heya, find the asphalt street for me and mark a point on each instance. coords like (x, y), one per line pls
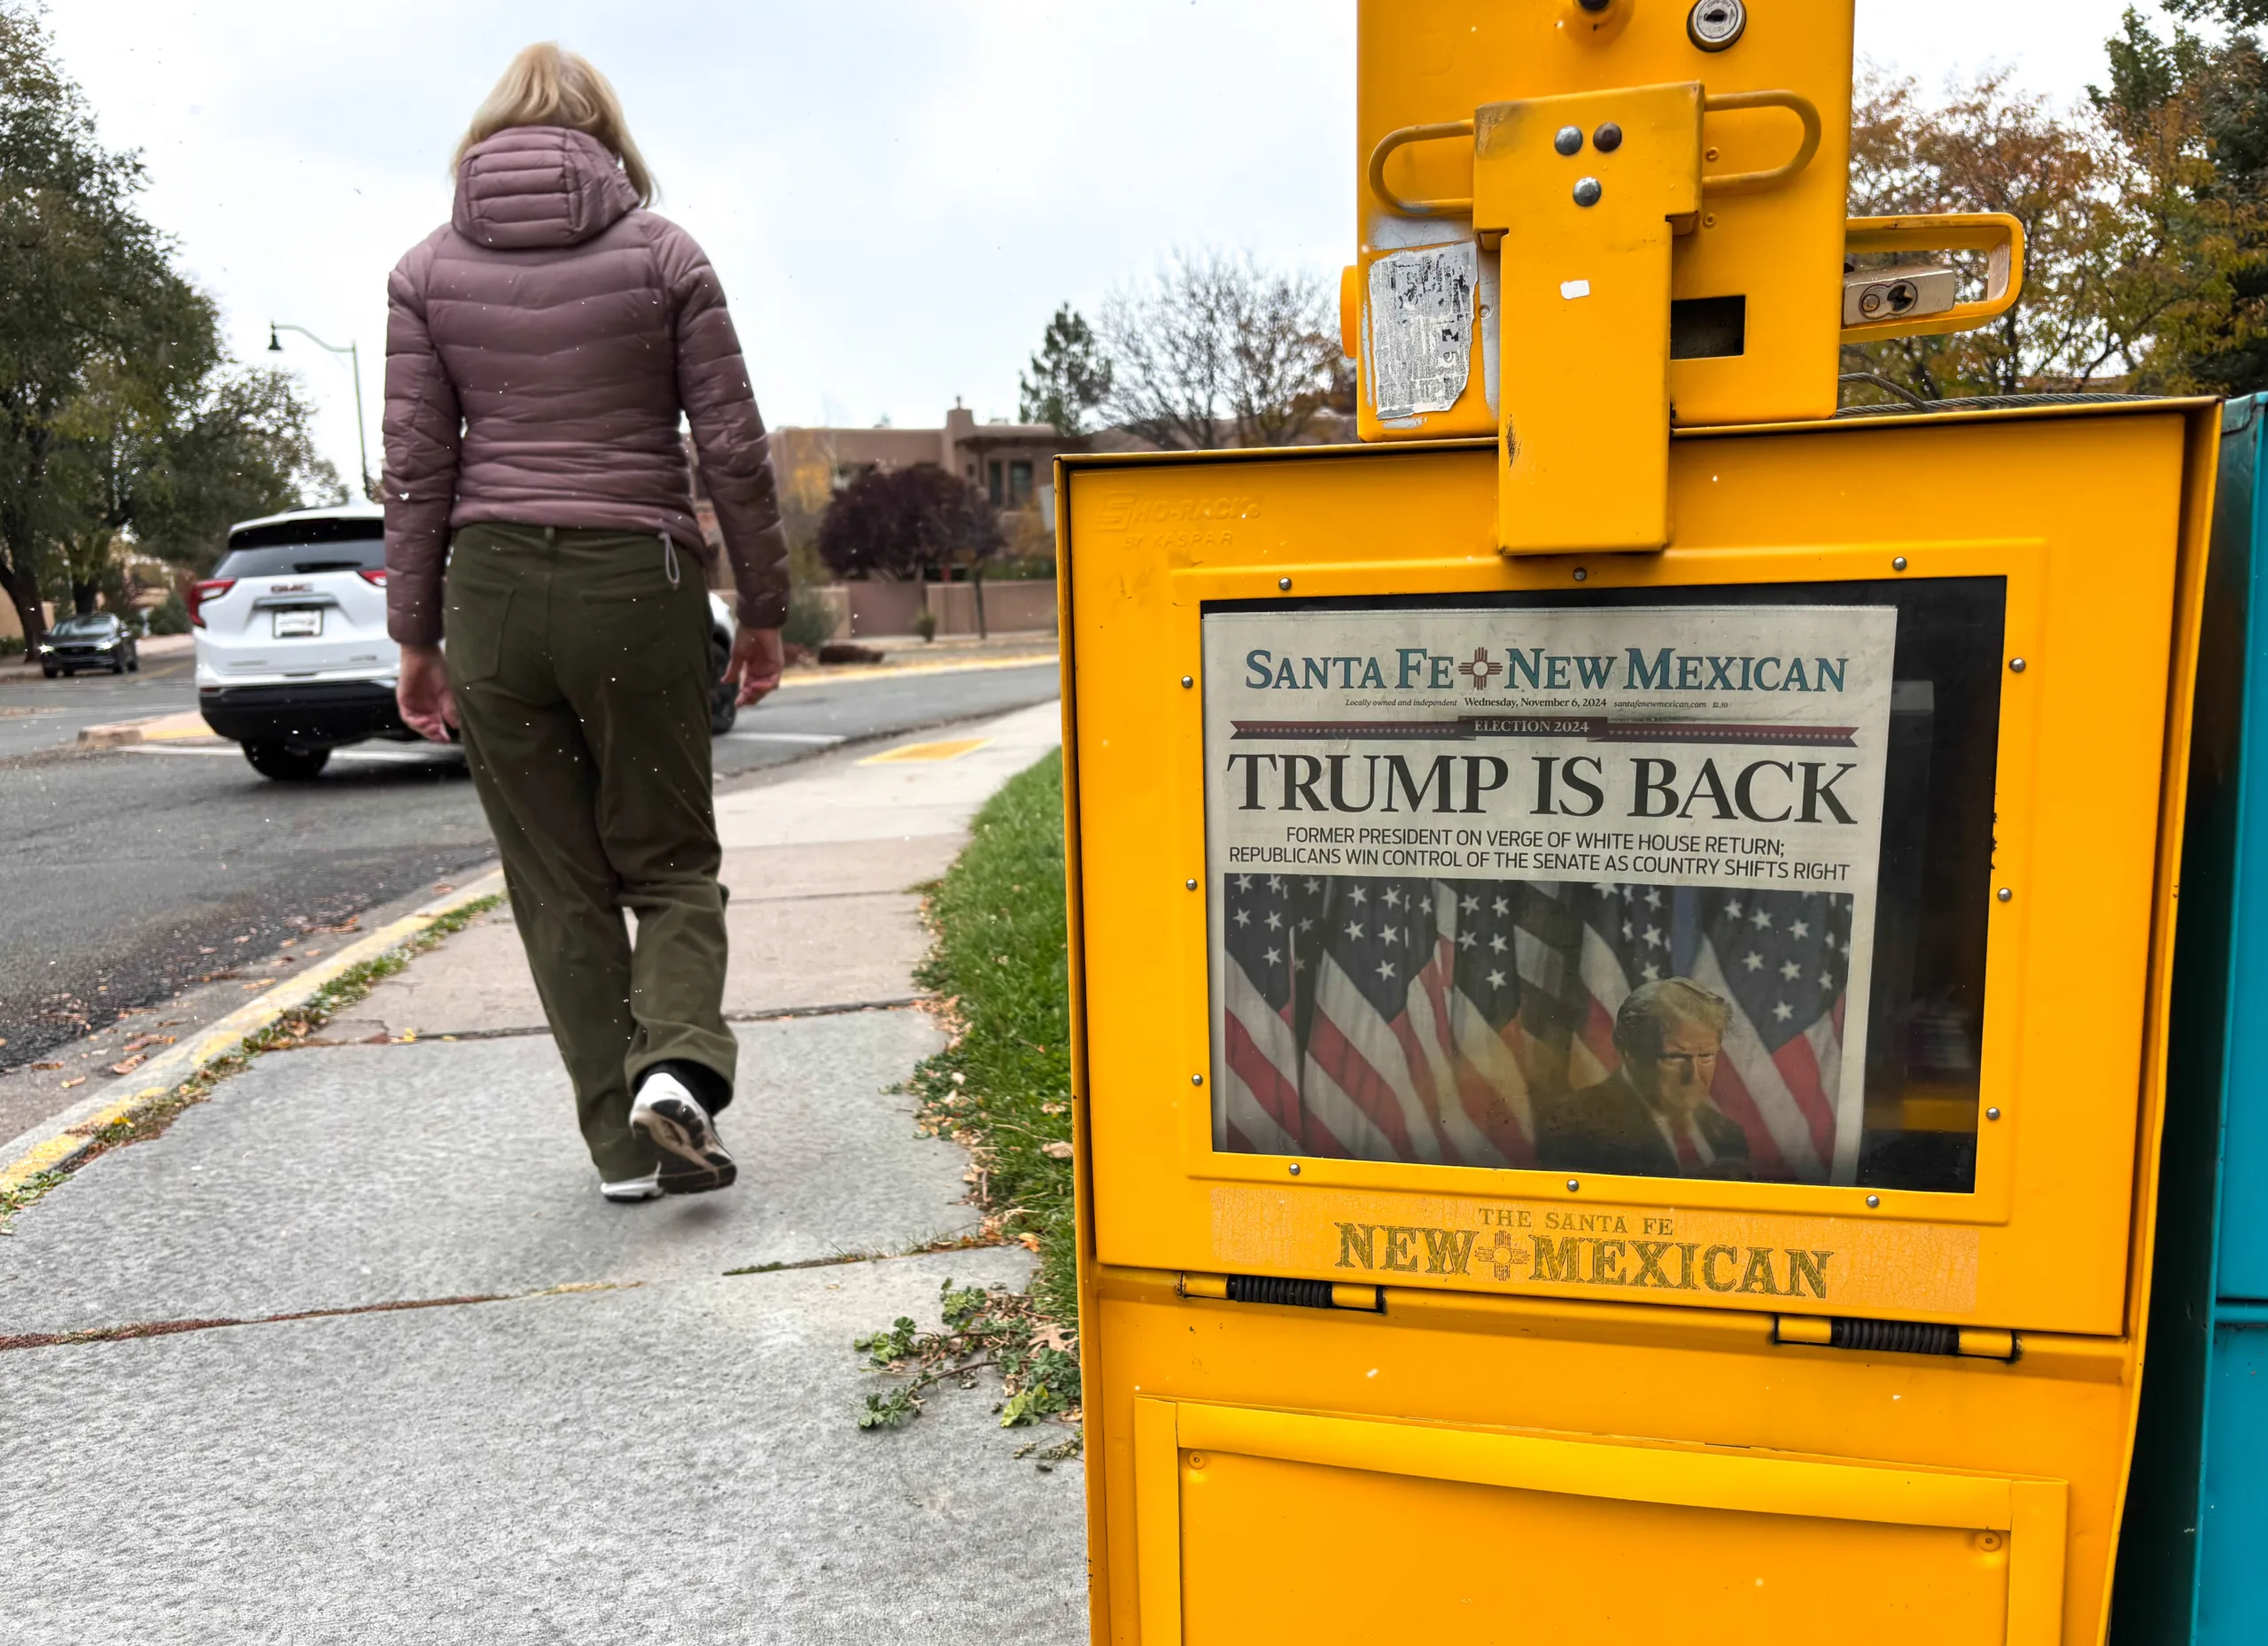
(130, 874)
(37, 713)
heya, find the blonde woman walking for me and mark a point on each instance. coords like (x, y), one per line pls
(541, 350)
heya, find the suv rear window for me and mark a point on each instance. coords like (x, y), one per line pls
(314, 545)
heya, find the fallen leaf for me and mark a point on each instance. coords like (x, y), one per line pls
(78, 1080)
(1030, 1242)
(1056, 1151)
(129, 1065)
(47, 1066)
(262, 984)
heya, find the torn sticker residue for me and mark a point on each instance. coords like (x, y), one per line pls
(1421, 327)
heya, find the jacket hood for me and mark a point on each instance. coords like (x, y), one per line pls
(529, 187)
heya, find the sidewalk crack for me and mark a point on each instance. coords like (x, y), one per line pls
(170, 1327)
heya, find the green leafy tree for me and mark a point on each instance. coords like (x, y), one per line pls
(1067, 379)
(242, 448)
(78, 272)
(120, 416)
(108, 465)
(2214, 96)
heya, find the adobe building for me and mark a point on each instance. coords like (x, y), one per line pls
(1012, 463)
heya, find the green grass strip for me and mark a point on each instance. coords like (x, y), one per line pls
(1003, 1089)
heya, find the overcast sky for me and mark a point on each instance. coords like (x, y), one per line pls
(897, 194)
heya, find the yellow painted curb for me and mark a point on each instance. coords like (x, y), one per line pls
(159, 1075)
(885, 672)
(951, 748)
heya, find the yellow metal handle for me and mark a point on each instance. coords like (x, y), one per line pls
(1996, 234)
(1734, 182)
(1405, 135)
(1756, 183)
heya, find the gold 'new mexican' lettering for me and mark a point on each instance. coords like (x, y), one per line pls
(1757, 1270)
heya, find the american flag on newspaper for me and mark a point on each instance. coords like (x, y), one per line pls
(1392, 1018)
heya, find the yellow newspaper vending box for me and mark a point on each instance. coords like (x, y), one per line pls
(1619, 929)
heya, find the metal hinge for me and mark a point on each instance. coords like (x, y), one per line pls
(1289, 1293)
(1896, 1337)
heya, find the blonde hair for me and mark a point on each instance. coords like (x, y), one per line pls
(546, 86)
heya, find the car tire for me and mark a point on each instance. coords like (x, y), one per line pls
(133, 663)
(724, 699)
(49, 670)
(118, 666)
(287, 763)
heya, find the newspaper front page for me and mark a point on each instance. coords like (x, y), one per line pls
(1577, 890)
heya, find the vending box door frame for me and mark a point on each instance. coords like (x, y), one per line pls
(1127, 655)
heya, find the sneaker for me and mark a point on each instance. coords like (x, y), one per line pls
(633, 1188)
(694, 1160)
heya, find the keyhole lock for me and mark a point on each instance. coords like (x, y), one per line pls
(1713, 24)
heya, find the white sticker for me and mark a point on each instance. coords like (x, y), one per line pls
(1572, 289)
(1421, 327)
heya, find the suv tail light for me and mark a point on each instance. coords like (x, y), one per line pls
(375, 577)
(211, 588)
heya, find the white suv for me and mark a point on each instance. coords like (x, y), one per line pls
(292, 655)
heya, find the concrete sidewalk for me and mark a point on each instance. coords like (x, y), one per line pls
(532, 1417)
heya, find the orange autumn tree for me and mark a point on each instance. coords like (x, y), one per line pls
(2139, 258)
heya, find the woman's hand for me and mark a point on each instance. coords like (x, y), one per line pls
(423, 693)
(757, 661)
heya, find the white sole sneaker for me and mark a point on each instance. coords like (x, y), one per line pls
(694, 1160)
(633, 1188)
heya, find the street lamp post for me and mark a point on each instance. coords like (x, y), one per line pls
(354, 365)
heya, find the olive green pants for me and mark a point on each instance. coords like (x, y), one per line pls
(581, 676)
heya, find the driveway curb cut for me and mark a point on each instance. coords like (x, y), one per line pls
(61, 1138)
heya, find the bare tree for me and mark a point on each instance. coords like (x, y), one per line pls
(1215, 350)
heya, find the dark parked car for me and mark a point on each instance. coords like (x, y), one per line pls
(96, 640)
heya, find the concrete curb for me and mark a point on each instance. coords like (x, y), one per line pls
(116, 734)
(61, 1138)
(151, 728)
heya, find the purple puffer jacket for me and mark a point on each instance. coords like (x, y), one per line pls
(539, 352)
